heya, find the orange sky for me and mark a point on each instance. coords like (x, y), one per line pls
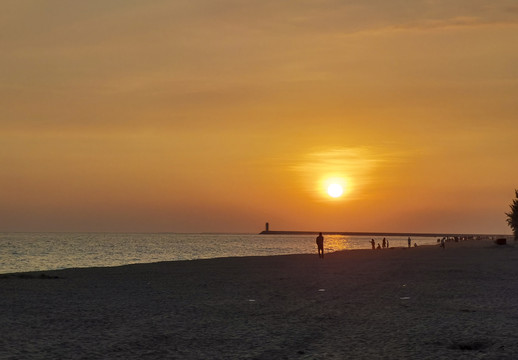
(217, 116)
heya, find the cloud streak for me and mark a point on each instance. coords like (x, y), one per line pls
(358, 167)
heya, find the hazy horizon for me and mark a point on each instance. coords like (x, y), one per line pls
(218, 116)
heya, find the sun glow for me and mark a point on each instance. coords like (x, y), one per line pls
(343, 172)
(334, 187)
(335, 190)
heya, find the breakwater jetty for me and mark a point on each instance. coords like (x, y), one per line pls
(267, 231)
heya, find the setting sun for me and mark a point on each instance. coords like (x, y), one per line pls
(335, 190)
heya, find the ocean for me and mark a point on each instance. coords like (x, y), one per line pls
(22, 252)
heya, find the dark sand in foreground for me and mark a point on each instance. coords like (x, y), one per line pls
(419, 303)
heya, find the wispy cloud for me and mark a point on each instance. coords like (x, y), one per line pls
(454, 22)
(356, 167)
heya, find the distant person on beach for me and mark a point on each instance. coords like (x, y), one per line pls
(384, 243)
(379, 246)
(373, 243)
(409, 242)
(320, 245)
(443, 244)
(388, 244)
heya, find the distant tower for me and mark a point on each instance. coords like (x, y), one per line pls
(267, 227)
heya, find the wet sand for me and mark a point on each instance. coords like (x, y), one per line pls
(418, 303)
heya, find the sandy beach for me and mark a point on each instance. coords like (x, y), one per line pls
(420, 303)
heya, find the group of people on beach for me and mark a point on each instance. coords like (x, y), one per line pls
(442, 241)
(384, 244)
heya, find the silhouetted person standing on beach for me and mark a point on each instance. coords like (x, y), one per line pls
(409, 242)
(373, 243)
(320, 244)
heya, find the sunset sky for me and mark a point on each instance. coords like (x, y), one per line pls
(217, 116)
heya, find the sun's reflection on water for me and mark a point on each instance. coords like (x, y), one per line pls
(338, 243)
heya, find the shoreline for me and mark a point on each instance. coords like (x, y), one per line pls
(44, 272)
(36, 273)
(45, 252)
(424, 302)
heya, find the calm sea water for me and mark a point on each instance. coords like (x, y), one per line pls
(21, 252)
